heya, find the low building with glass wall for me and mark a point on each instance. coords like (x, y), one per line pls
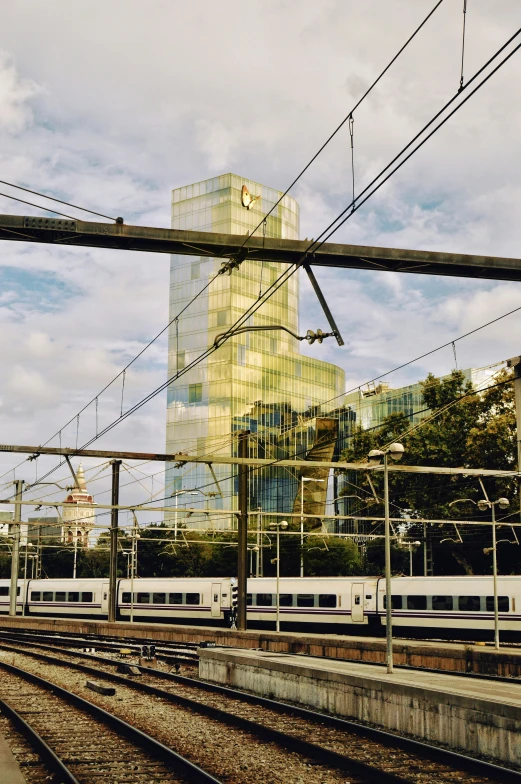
(257, 380)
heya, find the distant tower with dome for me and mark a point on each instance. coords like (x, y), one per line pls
(78, 521)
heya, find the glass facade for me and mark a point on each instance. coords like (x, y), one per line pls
(257, 380)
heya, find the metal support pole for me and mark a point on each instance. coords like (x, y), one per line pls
(113, 564)
(302, 526)
(242, 534)
(16, 547)
(425, 549)
(515, 363)
(175, 519)
(410, 560)
(277, 623)
(494, 571)
(388, 600)
(259, 545)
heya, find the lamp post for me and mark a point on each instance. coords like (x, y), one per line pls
(483, 504)
(27, 545)
(278, 525)
(302, 480)
(375, 456)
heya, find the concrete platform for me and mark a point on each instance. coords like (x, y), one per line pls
(437, 655)
(471, 715)
(10, 772)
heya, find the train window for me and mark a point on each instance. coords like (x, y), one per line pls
(159, 598)
(469, 603)
(192, 598)
(143, 598)
(249, 600)
(442, 603)
(175, 598)
(59, 596)
(73, 596)
(285, 600)
(47, 596)
(326, 600)
(86, 596)
(35, 596)
(396, 602)
(416, 602)
(125, 597)
(503, 603)
(4, 590)
(264, 600)
(305, 600)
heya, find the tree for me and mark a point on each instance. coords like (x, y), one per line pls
(466, 428)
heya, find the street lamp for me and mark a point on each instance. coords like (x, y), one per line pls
(27, 545)
(278, 525)
(302, 480)
(374, 458)
(483, 504)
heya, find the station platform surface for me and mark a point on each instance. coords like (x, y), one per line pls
(474, 715)
(10, 771)
(435, 654)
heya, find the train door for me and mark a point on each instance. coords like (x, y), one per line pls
(105, 599)
(216, 600)
(357, 603)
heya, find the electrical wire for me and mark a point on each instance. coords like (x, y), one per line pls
(53, 198)
(346, 118)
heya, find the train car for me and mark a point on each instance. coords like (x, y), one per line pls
(452, 607)
(80, 597)
(203, 601)
(340, 605)
(5, 598)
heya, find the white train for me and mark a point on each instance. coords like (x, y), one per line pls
(451, 607)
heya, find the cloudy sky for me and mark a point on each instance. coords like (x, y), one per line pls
(112, 104)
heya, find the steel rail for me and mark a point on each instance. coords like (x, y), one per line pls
(139, 738)
(39, 745)
(419, 748)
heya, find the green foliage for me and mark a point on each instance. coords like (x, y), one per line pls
(466, 428)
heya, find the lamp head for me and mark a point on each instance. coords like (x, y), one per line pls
(396, 452)
(284, 524)
(483, 505)
(503, 503)
(375, 456)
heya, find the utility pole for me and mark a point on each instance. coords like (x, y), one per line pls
(113, 567)
(515, 364)
(13, 590)
(242, 538)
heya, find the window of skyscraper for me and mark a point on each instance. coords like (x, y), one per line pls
(195, 271)
(298, 369)
(241, 355)
(222, 318)
(195, 393)
(181, 360)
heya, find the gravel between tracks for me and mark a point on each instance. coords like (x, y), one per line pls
(391, 759)
(33, 769)
(230, 754)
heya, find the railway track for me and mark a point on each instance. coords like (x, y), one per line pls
(84, 744)
(325, 740)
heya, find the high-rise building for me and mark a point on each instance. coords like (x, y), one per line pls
(78, 512)
(257, 380)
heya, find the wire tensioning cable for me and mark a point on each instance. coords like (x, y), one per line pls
(53, 198)
(346, 118)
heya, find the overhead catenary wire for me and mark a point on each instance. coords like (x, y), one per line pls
(282, 278)
(53, 198)
(346, 118)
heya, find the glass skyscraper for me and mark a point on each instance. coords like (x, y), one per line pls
(257, 380)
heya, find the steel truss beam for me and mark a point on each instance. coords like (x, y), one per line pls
(252, 462)
(256, 248)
